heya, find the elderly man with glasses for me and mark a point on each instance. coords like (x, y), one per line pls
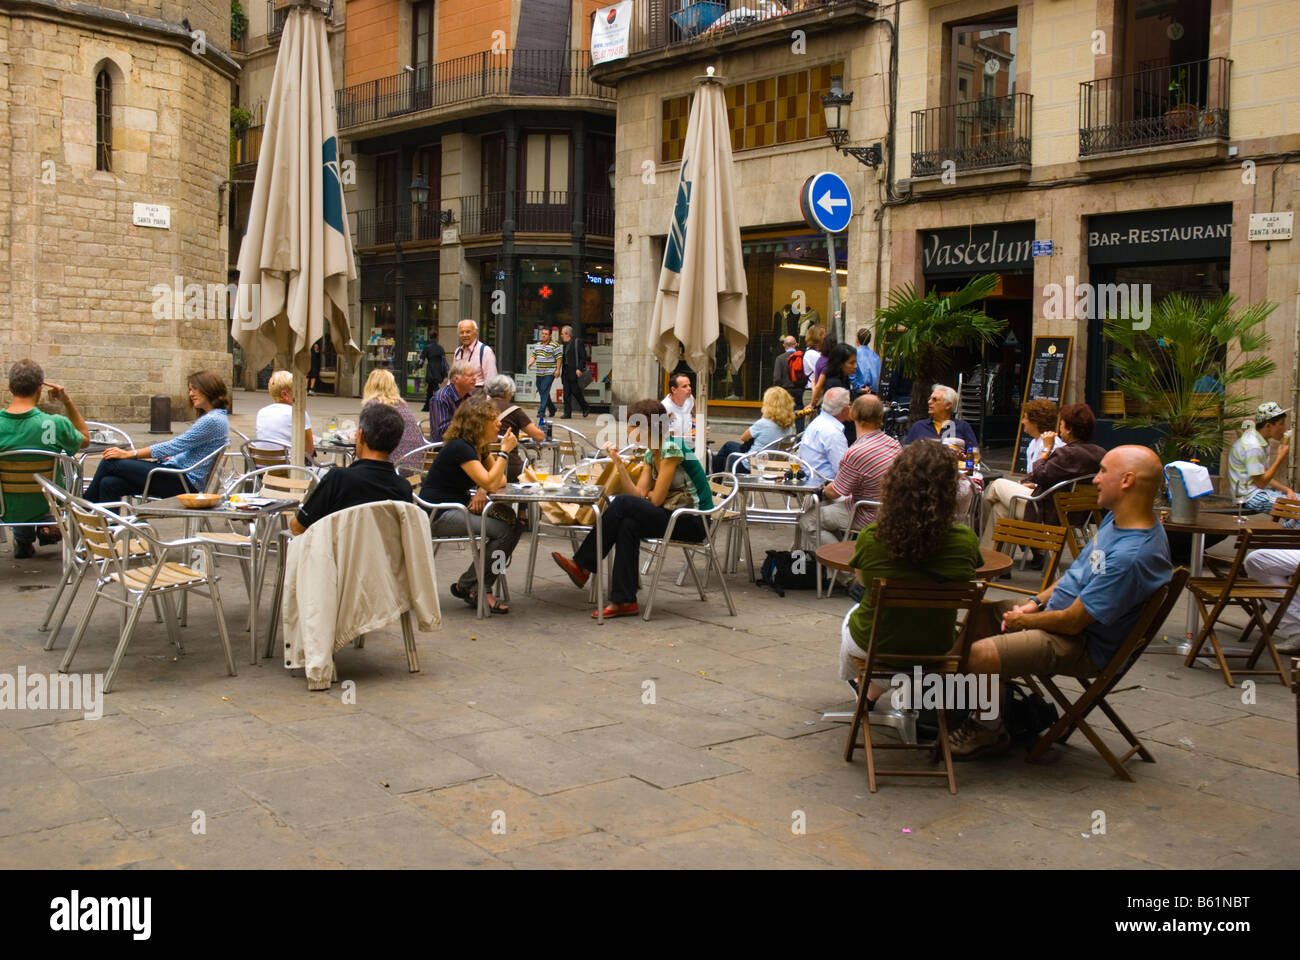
(942, 424)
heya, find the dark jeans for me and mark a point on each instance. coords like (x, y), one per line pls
(625, 523)
(797, 397)
(544, 381)
(720, 458)
(430, 388)
(573, 392)
(28, 534)
(118, 479)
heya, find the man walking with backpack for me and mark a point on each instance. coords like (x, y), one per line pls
(788, 372)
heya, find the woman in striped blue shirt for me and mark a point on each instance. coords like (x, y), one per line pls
(123, 473)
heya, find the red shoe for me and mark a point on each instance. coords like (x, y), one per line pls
(576, 573)
(617, 610)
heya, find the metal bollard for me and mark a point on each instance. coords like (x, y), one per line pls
(160, 414)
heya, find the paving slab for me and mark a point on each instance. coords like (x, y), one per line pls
(498, 816)
(156, 798)
(98, 843)
(313, 796)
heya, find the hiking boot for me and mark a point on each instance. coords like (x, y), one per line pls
(973, 739)
(576, 573)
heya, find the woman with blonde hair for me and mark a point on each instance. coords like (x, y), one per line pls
(463, 464)
(382, 388)
(275, 420)
(776, 420)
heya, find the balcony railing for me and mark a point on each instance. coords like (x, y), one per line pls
(660, 24)
(1165, 104)
(992, 132)
(520, 73)
(599, 214)
(482, 214)
(275, 20)
(245, 146)
(380, 226)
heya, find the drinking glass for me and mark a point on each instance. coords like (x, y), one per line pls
(541, 475)
(760, 465)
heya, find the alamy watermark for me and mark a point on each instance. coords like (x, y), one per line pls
(56, 691)
(951, 691)
(213, 301)
(1082, 301)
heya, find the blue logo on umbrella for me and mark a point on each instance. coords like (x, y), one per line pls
(332, 201)
(677, 235)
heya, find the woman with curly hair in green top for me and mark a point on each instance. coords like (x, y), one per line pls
(913, 539)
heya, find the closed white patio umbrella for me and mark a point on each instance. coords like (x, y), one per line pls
(295, 260)
(702, 287)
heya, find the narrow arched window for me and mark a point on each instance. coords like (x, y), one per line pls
(103, 121)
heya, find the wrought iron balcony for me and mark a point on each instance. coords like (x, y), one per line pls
(1159, 105)
(393, 223)
(519, 73)
(536, 211)
(482, 214)
(599, 214)
(275, 20)
(992, 132)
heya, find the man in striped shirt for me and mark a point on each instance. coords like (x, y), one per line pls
(861, 476)
(460, 384)
(547, 356)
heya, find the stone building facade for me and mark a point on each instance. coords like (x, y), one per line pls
(80, 282)
(1076, 122)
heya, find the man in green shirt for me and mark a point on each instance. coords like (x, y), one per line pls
(24, 426)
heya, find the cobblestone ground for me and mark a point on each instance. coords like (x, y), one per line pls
(525, 741)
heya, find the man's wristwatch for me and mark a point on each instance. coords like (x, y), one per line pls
(1040, 604)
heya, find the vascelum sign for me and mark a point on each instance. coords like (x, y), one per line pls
(609, 32)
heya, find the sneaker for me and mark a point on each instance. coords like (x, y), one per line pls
(24, 550)
(972, 739)
(576, 573)
(1286, 644)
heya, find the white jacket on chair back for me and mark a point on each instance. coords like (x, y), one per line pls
(354, 572)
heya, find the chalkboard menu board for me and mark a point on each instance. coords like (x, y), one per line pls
(1049, 365)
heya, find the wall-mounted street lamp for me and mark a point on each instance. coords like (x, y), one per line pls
(612, 177)
(419, 190)
(835, 106)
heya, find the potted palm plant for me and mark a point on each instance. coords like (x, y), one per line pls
(923, 332)
(1171, 373)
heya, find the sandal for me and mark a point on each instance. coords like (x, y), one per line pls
(498, 607)
(460, 593)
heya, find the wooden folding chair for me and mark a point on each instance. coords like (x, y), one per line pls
(1036, 536)
(1285, 510)
(1095, 690)
(889, 595)
(1080, 513)
(1234, 588)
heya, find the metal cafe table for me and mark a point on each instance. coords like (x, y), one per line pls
(535, 494)
(263, 514)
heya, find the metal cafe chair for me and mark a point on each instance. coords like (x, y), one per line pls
(1021, 504)
(77, 559)
(712, 519)
(211, 485)
(108, 538)
(20, 472)
(893, 598)
(471, 539)
(418, 461)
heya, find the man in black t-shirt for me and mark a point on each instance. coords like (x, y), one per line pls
(371, 478)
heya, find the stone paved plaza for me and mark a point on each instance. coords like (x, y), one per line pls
(535, 723)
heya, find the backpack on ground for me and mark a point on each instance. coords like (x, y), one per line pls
(794, 365)
(788, 570)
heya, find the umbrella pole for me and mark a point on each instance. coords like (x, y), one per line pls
(701, 419)
(298, 452)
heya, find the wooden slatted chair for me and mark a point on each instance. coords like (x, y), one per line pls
(1284, 510)
(1095, 690)
(1081, 515)
(890, 598)
(1215, 594)
(20, 472)
(108, 538)
(1036, 536)
(265, 453)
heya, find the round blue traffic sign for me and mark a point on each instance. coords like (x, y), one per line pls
(826, 203)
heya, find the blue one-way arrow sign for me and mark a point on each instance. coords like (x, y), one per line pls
(826, 203)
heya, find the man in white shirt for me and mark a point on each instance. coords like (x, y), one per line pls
(275, 420)
(680, 406)
(824, 441)
(477, 354)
